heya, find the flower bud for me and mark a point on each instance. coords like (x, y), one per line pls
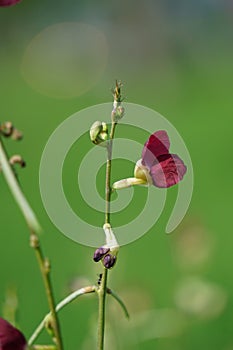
(109, 261)
(117, 113)
(100, 253)
(107, 253)
(99, 132)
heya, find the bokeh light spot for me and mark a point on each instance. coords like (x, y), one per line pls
(65, 60)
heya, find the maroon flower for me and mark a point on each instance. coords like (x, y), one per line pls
(157, 166)
(10, 337)
(165, 169)
(8, 2)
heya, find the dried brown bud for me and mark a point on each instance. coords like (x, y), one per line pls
(17, 159)
(16, 135)
(6, 129)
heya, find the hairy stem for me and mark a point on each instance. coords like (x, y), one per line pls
(103, 286)
(34, 228)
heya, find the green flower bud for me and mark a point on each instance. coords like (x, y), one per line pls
(99, 133)
(117, 112)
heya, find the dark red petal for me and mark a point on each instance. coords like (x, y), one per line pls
(169, 170)
(157, 144)
(8, 2)
(10, 337)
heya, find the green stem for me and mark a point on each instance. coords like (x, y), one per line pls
(16, 191)
(108, 174)
(103, 286)
(34, 228)
(115, 296)
(45, 272)
(63, 303)
(101, 320)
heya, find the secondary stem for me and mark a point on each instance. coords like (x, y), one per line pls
(45, 272)
(103, 286)
(16, 191)
(63, 303)
(34, 228)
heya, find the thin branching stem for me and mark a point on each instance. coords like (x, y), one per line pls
(71, 297)
(34, 228)
(16, 191)
(118, 299)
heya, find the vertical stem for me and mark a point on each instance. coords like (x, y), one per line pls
(108, 174)
(102, 299)
(45, 272)
(103, 286)
(34, 240)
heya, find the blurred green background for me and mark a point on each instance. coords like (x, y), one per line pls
(174, 57)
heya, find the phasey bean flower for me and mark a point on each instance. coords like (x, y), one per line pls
(157, 166)
(10, 337)
(107, 253)
(8, 2)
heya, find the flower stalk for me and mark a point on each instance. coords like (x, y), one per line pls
(103, 286)
(117, 114)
